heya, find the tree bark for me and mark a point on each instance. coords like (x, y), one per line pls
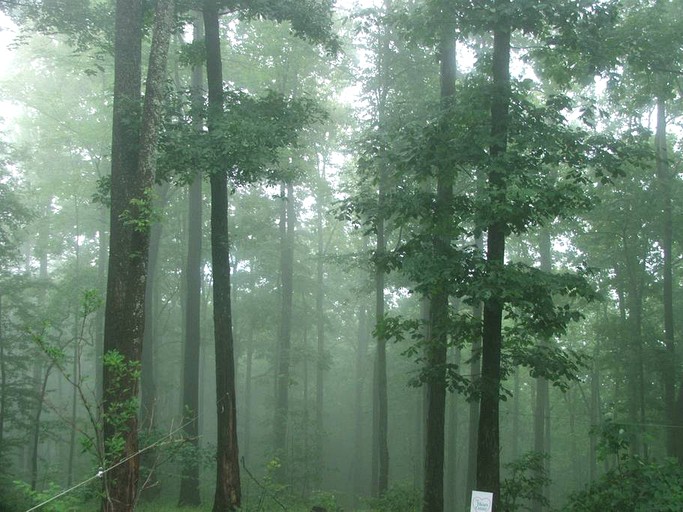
(436, 345)
(228, 493)
(124, 317)
(133, 167)
(488, 443)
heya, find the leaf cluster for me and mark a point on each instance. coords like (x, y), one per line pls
(245, 142)
(310, 20)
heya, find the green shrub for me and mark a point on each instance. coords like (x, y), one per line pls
(634, 486)
(399, 498)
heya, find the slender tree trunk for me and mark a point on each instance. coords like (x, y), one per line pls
(516, 399)
(3, 380)
(452, 487)
(669, 367)
(436, 345)
(99, 315)
(150, 488)
(381, 448)
(228, 492)
(473, 420)
(541, 413)
(488, 443)
(75, 368)
(320, 331)
(35, 438)
(281, 419)
(248, 378)
(189, 483)
(358, 462)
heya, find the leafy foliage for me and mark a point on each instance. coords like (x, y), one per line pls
(635, 485)
(528, 477)
(246, 142)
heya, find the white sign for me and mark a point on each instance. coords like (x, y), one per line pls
(481, 501)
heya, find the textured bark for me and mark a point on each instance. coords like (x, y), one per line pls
(436, 344)
(189, 483)
(124, 318)
(228, 493)
(488, 443)
(133, 166)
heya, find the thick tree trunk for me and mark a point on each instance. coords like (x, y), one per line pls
(281, 420)
(488, 443)
(228, 493)
(124, 318)
(133, 166)
(189, 483)
(436, 345)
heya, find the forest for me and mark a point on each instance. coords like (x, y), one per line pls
(319, 256)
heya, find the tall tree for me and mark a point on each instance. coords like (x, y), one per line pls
(436, 344)
(283, 376)
(228, 492)
(134, 144)
(189, 484)
(488, 441)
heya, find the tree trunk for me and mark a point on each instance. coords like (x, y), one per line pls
(358, 463)
(436, 344)
(381, 448)
(228, 493)
(123, 323)
(664, 177)
(453, 487)
(541, 412)
(473, 420)
(189, 483)
(3, 381)
(281, 419)
(133, 166)
(150, 488)
(320, 333)
(488, 443)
